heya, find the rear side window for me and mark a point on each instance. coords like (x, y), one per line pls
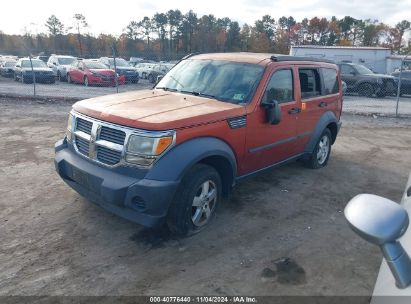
(330, 81)
(280, 87)
(310, 83)
(346, 69)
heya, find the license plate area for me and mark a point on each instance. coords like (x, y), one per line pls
(81, 177)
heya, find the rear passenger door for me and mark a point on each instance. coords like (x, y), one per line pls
(267, 144)
(319, 93)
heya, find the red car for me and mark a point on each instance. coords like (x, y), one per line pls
(89, 72)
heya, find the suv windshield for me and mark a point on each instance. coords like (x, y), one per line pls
(66, 60)
(119, 62)
(363, 70)
(37, 63)
(223, 80)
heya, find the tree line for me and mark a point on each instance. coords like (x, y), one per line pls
(171, 35)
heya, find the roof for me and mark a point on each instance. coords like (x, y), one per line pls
(244, 57)
(375, 48)
(255, 58)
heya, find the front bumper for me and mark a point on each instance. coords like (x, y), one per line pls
(122, 191)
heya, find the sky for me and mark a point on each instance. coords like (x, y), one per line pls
(112, 18)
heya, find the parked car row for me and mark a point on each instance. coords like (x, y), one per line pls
(101, 71)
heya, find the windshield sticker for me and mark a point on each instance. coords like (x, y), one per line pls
(239, 97)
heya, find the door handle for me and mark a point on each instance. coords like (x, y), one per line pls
(294, 111)
(322, 104)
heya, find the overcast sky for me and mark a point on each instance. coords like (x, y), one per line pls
(104, 17)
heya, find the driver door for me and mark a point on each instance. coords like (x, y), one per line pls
(267, 144)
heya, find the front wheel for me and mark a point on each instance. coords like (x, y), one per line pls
(196, 201)
(321, 153)
(86, 83)
(151, 78)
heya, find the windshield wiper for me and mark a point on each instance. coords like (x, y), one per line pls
(200, 94)
(167, 89)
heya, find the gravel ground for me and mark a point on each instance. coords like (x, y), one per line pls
(281, 233)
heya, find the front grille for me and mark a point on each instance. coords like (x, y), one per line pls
(84, 125)
(94, 144)
(112, 135)
(82, 145)
(107, 78)
(108, 156)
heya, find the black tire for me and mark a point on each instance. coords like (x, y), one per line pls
(68, 78)
(144, 75)
(151, 78)
(15, 77)
(366, 89)
(59, 76)
(314, 161)
(86, 83)
(183, 218)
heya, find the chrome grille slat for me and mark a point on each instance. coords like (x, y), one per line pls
(108, 156)
(83, 125)
(112, 135)
(82, 145)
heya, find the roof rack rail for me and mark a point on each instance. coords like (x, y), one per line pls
(279, 58)
(189, 55)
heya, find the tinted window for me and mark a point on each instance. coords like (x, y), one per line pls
(280, 87)
(310, 83)
(346, 69)
(330, 81)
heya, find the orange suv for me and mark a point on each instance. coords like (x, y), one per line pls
(169, 155)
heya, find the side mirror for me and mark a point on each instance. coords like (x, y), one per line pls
(54, 63)
(159, 77)
(381, 221)
(17, 66)
(353, 73)
(80, 68)
(273, 111)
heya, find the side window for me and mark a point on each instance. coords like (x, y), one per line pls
(330, 81)
(346, 69)
(280, 87)
(310, 83)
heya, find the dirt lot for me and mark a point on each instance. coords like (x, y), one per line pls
(53, 242)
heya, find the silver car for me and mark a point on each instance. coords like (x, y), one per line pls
(60, 64)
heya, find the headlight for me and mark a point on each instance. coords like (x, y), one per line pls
(144, 150)
(69, 132)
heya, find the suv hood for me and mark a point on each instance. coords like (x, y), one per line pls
(157, 110)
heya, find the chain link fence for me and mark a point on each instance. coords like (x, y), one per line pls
(68, 77)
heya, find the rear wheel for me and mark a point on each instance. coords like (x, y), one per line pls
(86, 83)
(68, 78)
(195, 202)
(321, 153)
(59, 76)
(366, 89)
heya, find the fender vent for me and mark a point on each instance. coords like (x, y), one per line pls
(237, 122)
